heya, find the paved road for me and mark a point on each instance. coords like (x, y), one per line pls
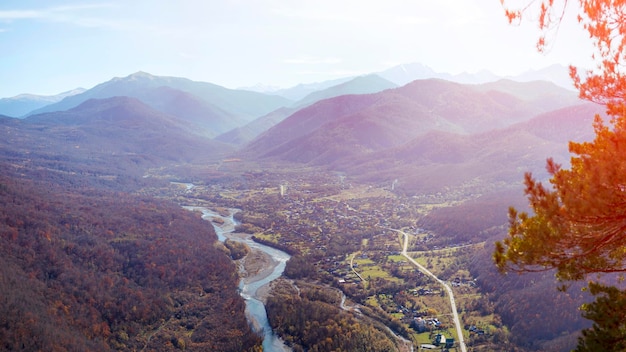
(457, 321)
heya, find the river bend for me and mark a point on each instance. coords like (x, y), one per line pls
(255, 310)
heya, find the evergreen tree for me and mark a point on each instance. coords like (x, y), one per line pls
(578, 225)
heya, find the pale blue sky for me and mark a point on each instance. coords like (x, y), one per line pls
(52, 46)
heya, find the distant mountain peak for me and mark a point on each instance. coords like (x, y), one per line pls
(555, 73)
(405, 73)
(141, 75)
(27, 96)
(137, 76)
(416, 67)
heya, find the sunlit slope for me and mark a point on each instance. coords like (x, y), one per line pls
(443, 159)
(353, 126)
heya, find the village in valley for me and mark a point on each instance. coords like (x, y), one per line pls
(348, 235)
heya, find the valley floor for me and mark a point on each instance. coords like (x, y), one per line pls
(324, 225)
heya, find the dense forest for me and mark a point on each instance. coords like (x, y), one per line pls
(472, 221)
(523, 300)
(92, 269)
(310, 319)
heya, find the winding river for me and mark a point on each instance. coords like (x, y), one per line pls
(255, 310)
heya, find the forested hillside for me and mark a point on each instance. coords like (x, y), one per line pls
(523, 300)
(87, 269)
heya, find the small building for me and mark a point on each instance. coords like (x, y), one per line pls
(440, 339)
(449, 342)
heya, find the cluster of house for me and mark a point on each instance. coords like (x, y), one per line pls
(423, 292)
(343, 273)
(440, 339)
(457, 282)
(420, 324)
(475, 330)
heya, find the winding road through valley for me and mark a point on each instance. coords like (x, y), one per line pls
(455, 315)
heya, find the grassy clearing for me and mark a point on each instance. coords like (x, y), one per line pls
(438, 259)
(271, 237)
(372, 301)
(363, 261)
(396, 258)
(376, 272)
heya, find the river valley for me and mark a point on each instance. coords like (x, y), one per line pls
(255, 284)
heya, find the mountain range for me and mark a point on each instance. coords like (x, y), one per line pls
(368, 126)
(26, 104)
(103, 137)
(359, 85)
(210, 108)
(349, 126)
(403, 74)
(22, 104)
(441, 160)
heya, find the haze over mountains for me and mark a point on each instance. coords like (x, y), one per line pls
(212, 108)
(405, 73)
(369, 126)
(136, 127)
(24, 103)
(350, 126)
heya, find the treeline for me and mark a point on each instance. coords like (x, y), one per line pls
(312, 320)
(300, 267)
(99, 270)
(285, 248)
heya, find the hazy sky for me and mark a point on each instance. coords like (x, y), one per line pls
(52, 46)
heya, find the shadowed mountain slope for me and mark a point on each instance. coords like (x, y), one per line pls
(111, 136)
(246, 133)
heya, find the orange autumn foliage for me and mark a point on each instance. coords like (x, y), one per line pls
(578, 226)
